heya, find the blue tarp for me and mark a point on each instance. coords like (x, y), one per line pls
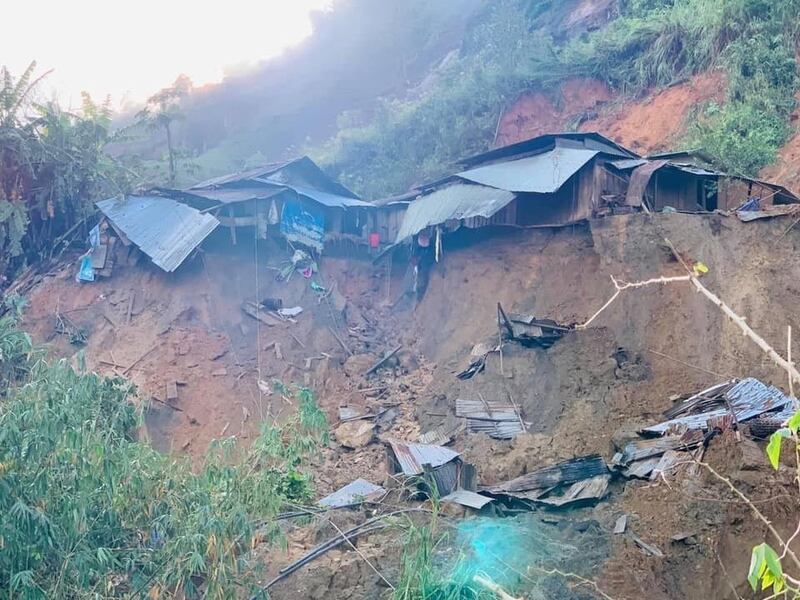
(303, 225)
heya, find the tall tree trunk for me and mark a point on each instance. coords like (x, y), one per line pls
(171, 155)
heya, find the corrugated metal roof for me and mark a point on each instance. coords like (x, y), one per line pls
(565, 472)
(748, 398)
(353, 493)
(260, 171)
(165, 230)
(300, 170)
(589, 140)
(237, 194)
(486, 411)
(457, 201)
(628, 163)
(411, 456)
(325, 198)
(542, 173)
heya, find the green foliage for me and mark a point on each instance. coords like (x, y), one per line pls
(16, 353)
(412, 140)
(90, 512)
(765, 568)
(421, 578)
(52, 166)
(509, 50)
(776, 439)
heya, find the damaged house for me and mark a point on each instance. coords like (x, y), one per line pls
(686, 182)
(548, 181)
(294, 199)
(560, 179)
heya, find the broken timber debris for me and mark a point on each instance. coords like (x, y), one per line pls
(381, 361)
(497, 419)
(252, 309)
(530, 331)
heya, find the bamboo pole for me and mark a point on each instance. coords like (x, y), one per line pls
(738, 321)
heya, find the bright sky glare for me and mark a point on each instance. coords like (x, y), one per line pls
(131, 49)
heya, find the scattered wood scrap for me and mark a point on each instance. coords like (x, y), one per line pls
(252, 309)
(381, 361)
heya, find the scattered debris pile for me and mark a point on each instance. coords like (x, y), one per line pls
(694, 419)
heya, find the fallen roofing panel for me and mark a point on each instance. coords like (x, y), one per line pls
(641, 469)
(565, 472)
(457, 201)
(468, 499)
(747, 398)
(542, 173)
(353, 493)
(411, 457)
(499, 430)
(586, 490)
(486, 411)
(165, 230)
(645, 448)
(779, 210)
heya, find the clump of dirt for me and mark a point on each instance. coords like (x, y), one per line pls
(537, 113)
(655, 122)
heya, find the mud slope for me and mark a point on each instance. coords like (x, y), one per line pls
(583, 391)
(577, 396)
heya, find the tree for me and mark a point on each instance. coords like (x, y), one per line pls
(52, 167)
(162, 110)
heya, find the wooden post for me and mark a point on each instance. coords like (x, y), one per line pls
(789, 359)
(233, 224)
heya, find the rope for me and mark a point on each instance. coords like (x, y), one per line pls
(258, 322)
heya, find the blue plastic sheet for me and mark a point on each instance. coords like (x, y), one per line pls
(86, 272)
(303, 225)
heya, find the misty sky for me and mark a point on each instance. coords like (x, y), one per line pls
(130, 49)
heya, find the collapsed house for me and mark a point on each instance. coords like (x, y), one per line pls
(164, 230)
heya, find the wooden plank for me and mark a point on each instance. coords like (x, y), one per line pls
(172, 391)
(253, 310)
(380, 362)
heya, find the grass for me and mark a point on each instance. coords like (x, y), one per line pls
(91, 512)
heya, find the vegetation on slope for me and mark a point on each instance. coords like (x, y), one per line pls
(90, 512)
(511, 49)
(52, 166)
